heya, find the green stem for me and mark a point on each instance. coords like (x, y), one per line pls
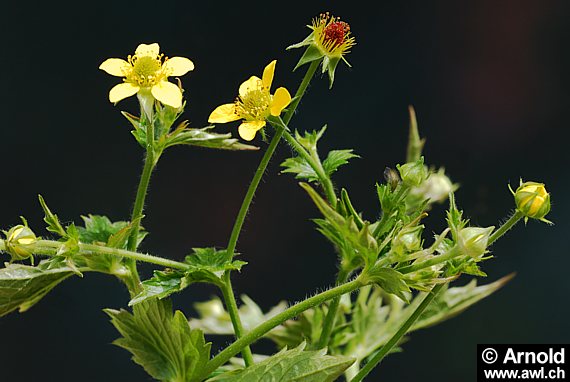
(315, 164)
(301, 91)
(228, 294)
(430, 262)
(51, 247)
(233, 311)
(514, 219)
(293, 311)
(398, 336)
(330, 318)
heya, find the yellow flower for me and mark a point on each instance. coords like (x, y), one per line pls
(332, 36)
(148, 71)
(254, 104)
(532, 200)
(329, 41)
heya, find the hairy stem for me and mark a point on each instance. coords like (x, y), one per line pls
(513, 220)
(51, 248)
(228, 294)
(137, 214)
(293, 311)
(315, 165)
(378, 357)
(330, 318)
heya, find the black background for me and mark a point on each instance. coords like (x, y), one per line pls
(490, 85)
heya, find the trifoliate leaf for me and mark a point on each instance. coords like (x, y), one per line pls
(161, 341)
(301, 168)
(292, 365)
(337, 158)
(205, 138)
(22, 286)
(204, 265)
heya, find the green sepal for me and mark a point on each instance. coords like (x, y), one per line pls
(312, 53)
(204, 137)
(292, 365)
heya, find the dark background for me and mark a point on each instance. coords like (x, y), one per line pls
(489, 81)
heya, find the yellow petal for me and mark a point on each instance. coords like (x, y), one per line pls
(148, 50)
(268, 72)
(177, 66)
(254, 83)
(224, 113)
(122, 91)
(280, 100)
(248, 129)
(167, 93)
(116, 67)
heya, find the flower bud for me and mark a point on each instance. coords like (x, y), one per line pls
(532, 200)
(414, 173)
(472, 241)
(17, 241)
(392, 178)
(409, 239)
(436, 188)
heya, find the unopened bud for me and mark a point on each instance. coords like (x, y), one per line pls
(392, 178)
(18, 240)
(409, 239)
(532, 200)
(472, 241)
(414, 173)
(436, 188)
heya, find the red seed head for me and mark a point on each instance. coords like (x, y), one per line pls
(336, 32)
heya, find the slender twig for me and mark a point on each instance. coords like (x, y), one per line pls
(51, 248)
(514, 219)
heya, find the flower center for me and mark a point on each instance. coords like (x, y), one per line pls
(254, 105)
(147, 70)
(335, 32)
(332, 36)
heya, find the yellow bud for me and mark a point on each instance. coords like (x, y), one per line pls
(17, 241)
(532, 200)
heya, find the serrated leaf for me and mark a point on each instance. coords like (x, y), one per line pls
(204, 265)
(205, 138)
(292, 365)
(22, 286)
(455, 300)
(389, 280)
(51, 219)
(98, 229)
(161, 341)
(301, 168)
(337, 158)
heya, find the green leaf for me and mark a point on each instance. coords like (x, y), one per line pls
(161, 341)
(337, 158)
(452, 301)
(98, 229)
(389, 280)
(292, 365)
(51, 219)
(214, 319)
(22, 286)
(301, 168)
(204, 265)
(205, 138)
